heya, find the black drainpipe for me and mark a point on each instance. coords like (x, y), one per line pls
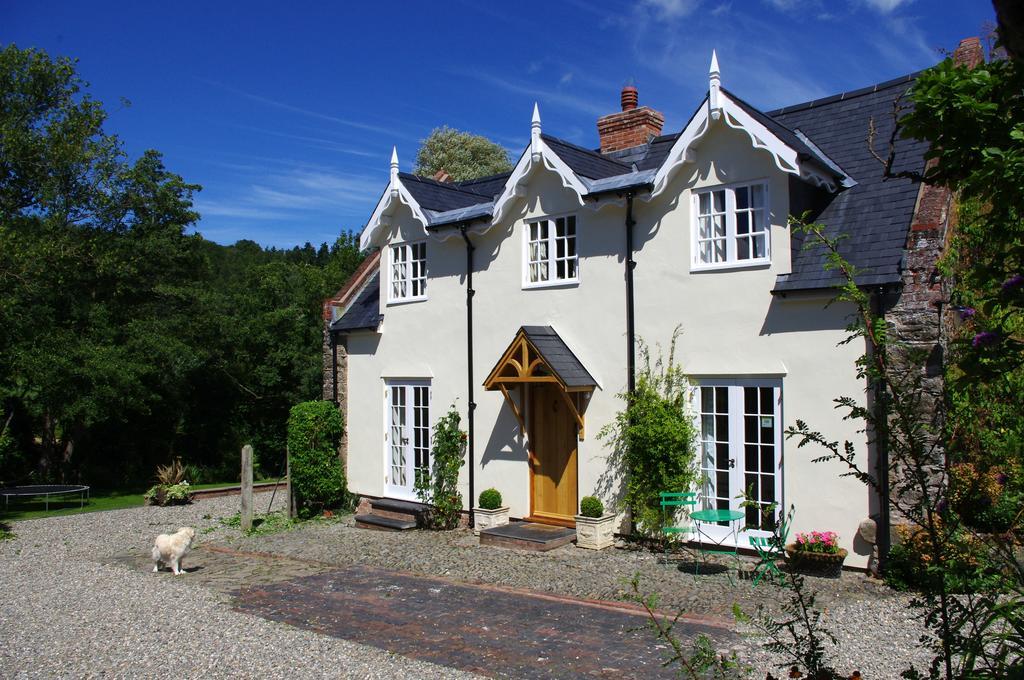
(882, 442)
(469, 361)
(630, 321)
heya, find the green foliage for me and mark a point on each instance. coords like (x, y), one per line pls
(269, 523)
(6, 534)
(123, 338)
(653, 439)
(314, 435)
(169, 494)
(591, 506)
(462, 155)
(698, 661)
(440, 488)
(490, 499)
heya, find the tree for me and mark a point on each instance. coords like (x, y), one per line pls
(462, 155)
(94, 261)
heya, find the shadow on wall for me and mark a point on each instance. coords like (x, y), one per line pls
(795, 315)
(506, 441)
(610, 486)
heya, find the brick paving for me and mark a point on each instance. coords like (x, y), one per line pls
(489, 630)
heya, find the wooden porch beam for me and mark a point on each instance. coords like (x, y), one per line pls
(514, 407)
(570, 402)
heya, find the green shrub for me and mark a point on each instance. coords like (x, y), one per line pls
(490, 499)
(440, 489)
(653, 439)
(591, 506)
(318, 478)
(169, 494)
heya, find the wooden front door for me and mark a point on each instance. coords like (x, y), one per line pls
(552, 430)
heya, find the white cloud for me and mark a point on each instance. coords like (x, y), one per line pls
(887, 6)
(671, 9)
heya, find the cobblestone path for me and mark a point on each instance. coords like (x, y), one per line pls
(490, 630)
(483, 629)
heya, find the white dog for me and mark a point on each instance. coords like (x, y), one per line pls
(172, 548)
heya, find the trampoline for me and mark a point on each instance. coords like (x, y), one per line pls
(45, 490)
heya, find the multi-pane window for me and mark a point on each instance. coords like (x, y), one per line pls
(421, 433)
(740, 440)
(759, 481)
(715, 462)
(732, 225)
(551, 251)
(408, 272)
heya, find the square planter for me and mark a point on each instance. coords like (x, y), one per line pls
(488, 519)
(595, 533)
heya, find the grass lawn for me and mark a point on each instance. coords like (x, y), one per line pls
(117, 499)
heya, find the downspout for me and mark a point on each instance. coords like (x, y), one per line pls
(469, 362)
(883, 537)
(630, 318)
(630, 321)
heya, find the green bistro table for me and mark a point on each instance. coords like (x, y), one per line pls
(701, 517)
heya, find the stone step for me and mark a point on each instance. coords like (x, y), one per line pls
(528, 536)
(395, 509)
(374, 521)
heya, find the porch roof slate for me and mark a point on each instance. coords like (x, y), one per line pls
(559, 358)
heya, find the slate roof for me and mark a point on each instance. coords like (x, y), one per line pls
(439, 196)
(558, 356)
(364, 313)
(584, 162)
(874, 215)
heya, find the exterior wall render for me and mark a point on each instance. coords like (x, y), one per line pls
(732, 327)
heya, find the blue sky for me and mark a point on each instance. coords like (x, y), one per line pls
(286, 112)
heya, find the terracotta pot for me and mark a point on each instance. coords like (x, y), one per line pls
(829, 565)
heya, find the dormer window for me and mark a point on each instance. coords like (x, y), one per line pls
(550, 257)
(408, 272)
(731, 226)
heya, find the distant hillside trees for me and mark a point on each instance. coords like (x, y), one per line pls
(462, 155)
(123, 339)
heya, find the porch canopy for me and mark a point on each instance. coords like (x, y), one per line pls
(539, 355)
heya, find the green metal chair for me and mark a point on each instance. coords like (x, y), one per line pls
(770, 550)
(671, 501)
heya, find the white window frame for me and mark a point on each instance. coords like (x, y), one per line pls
(731, 236)
(408, 249)
(552, 250)
(416, 437)
(736, 438)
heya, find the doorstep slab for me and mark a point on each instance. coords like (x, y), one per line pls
(528, 536)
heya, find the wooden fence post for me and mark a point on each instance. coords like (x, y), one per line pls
(288, 477)
(247, 488)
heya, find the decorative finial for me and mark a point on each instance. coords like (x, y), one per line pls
(714, 83)
(394, 171)
(535, 133)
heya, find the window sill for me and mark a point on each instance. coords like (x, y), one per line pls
(568, 283)
(728, 266)
(406, 301)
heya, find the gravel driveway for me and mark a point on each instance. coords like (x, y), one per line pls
(79, 601)
(64, 614)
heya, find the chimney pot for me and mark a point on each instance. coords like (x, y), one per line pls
(630, 97)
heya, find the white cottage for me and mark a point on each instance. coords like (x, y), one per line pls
(519, 298)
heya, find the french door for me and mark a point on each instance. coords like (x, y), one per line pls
(741, 454)
(407, 437)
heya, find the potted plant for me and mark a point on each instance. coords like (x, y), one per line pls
(489, 512)
(594, 529)
(817, 552)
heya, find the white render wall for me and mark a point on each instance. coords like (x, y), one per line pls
(731, 327)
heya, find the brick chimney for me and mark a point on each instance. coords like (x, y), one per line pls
(969, 53)
(630, 127)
